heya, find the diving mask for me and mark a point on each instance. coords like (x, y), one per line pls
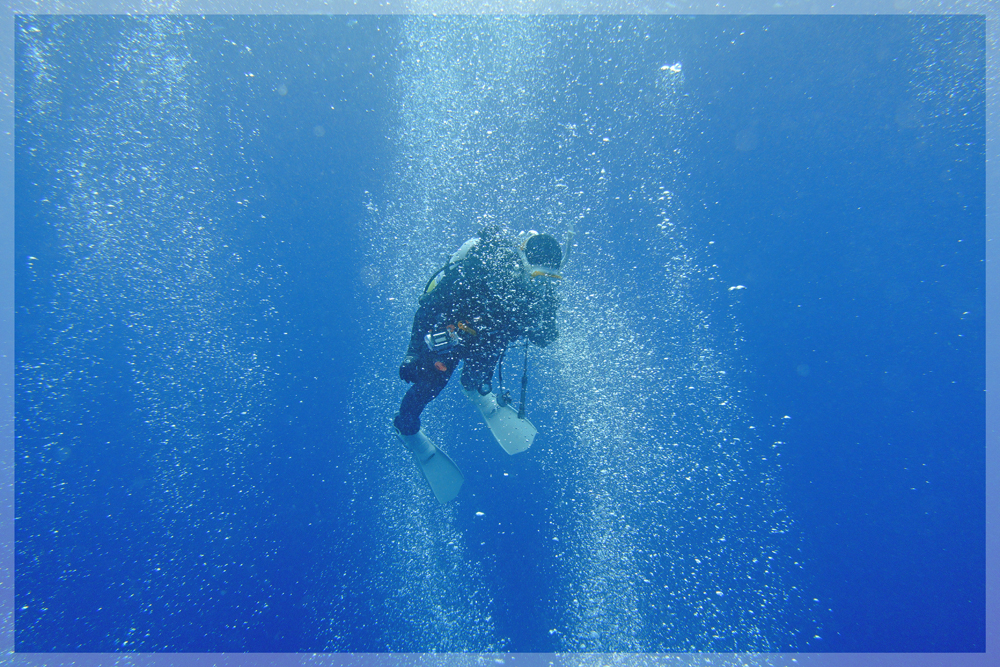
(540, 256)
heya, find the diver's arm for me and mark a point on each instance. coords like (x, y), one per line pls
(422, 320)
(436, 309)
(409, 369)
(542, 328)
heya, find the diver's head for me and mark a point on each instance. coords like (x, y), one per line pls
(540, 255)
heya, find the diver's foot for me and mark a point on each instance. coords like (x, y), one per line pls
(419, 444)
(405, 428)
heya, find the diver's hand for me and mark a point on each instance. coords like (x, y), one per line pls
(409, 370)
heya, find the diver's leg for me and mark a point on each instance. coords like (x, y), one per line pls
(430, 383)
(477, 373)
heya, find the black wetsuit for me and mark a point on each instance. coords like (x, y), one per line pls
(491, 303)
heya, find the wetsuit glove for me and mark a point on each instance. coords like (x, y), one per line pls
(409, 370)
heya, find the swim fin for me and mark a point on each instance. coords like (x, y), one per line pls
(438, 469)
(511, 432)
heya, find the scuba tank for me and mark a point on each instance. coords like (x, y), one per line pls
(456, 258)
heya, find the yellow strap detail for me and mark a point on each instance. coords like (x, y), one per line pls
(466, 328)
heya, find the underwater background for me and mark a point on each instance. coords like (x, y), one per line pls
(761, 429)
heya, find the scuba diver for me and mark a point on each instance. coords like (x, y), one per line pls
(493, 291)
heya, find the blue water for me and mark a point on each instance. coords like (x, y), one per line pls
(762, 428)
